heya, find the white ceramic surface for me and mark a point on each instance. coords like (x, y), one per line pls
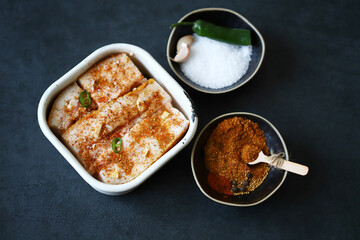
(150, 68)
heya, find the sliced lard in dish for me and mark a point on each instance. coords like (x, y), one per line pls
(140, 103)
(142, 145)
(91, 156)
(111, 78)
(67, 109)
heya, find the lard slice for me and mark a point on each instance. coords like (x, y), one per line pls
(111, 78)
(119, 113)
(67, 109)
(143, 145)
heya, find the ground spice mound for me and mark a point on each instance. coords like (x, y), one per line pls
(233, 143)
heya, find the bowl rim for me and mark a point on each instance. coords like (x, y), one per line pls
(171, 86)
(216, 9)
(197, 140)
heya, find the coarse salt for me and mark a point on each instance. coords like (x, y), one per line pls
(214, 64)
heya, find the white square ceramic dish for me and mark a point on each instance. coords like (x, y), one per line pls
(150, 68)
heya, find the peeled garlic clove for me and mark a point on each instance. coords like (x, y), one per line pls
(188, 39)
(182, 54)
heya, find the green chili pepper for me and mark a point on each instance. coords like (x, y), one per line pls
(223, 34)
(85, 99)
(116, 144)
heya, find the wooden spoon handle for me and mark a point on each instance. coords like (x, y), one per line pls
(295, 168)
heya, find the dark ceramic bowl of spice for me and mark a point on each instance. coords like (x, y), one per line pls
(236, 183)
(216, 66)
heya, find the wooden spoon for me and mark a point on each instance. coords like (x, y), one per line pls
(281, 163)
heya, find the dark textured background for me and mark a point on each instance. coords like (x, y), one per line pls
(308, 87)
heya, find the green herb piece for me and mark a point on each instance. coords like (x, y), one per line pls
(85, 99)
(116, 144)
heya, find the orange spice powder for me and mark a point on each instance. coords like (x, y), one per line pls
(233, 143)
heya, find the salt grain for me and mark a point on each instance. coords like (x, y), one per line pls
(214, 64)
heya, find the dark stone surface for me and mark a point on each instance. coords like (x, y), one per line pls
(308, 87)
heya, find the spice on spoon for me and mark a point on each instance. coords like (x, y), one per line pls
(224, 34)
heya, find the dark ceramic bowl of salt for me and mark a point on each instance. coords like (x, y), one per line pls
(272, 182)
(222, 17)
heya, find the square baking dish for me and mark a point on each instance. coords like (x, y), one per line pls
(150, 68)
